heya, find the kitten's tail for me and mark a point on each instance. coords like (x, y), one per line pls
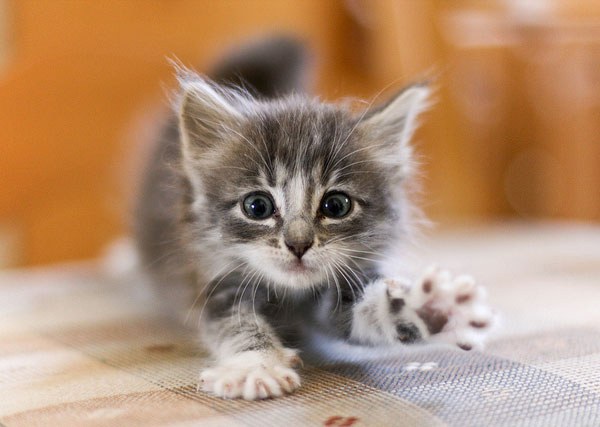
(268, 68)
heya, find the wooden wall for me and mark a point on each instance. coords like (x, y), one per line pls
(514, 132)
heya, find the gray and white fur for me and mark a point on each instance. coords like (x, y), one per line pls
(265, 209)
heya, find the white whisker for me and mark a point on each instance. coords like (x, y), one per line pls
(254, 291)
(251, 277)
(213, 288)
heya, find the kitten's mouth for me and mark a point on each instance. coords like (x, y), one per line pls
(298, 274)
(298, 267)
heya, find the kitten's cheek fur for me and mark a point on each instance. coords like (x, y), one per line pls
(253, 375)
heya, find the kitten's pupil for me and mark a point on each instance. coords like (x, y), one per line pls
(258, 206)
(336, 205)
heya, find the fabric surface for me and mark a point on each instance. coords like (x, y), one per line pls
(79, 347)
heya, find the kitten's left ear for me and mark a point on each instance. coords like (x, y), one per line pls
(390, 127)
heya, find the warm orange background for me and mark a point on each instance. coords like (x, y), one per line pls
(515, 132)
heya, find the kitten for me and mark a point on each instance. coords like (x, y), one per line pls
(264, 209)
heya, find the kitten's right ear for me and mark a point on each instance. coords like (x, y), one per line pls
(391, 127)
(207, 113)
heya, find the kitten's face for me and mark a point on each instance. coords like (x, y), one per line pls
(297, 198)
(300, 192)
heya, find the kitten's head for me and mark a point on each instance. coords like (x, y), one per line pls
(299, 191)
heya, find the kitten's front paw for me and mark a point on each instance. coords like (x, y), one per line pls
(385, 317)
(253, 375)
(453, 308)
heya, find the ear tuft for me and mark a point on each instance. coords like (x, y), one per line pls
(207, 112)
(390, 127)
(398, 118)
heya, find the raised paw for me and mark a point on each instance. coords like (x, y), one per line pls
(453, 308)
(408, 327)
(253, 375)
(384, 315)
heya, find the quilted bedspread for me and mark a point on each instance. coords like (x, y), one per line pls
(81, 347)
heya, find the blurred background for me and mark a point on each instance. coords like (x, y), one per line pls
(514, 134)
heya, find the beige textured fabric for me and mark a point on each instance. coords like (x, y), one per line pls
(80, 348)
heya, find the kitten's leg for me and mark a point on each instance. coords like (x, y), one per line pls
(251, 362)
(437, 308)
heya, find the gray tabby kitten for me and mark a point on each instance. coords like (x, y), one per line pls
(265, 210)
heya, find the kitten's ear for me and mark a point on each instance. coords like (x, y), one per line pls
(391, 126)
(207, 113)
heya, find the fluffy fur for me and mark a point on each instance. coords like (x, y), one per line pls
(249, 282)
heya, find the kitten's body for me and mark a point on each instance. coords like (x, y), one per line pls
(263, 212)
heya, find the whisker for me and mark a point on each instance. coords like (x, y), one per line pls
(337, 287)
(343, 143)
(359, 282)
(254, 291)
(213, 288)
(363, 258)
(339, 270)
(242, 296)
(357, 236)
(358, 150)
(359, 251)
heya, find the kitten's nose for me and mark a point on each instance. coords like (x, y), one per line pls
(299, 248)
(298, 236)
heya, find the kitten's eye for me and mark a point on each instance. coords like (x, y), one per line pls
(258, 206)
(336, 205)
